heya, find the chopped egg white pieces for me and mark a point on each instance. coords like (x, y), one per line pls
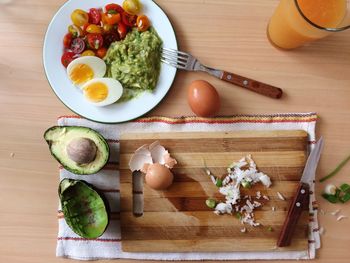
(86, 68)
(242, 173)
(102, 91)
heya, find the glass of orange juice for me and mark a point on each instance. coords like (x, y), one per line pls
(297, 22)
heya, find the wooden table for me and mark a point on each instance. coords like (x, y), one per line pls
(227, 34)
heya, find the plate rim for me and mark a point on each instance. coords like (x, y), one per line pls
(89, 118)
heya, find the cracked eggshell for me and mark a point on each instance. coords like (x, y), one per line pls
(147, 155)
(138, 161)
(157, 152)
(169, 161)
(143, 150)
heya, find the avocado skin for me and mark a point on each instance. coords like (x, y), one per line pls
(103, 147)
(85, 208)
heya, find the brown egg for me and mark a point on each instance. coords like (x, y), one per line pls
(158, 177)
(203, 98)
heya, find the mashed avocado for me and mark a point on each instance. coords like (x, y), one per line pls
(135, 62)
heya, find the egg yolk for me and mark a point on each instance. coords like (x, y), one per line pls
(81, 73)
(96, 92)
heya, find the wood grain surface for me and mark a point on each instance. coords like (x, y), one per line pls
(228, 34)
(177, 219)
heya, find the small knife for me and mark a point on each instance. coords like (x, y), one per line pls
(302, 196)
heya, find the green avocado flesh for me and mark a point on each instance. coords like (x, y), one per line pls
(83, 208)
(135, 62)
(59, 137)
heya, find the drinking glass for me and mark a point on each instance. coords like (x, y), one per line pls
(297, 22)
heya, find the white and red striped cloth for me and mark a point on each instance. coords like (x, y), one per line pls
(108, 246)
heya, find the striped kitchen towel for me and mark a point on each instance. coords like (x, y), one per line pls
(108, 246)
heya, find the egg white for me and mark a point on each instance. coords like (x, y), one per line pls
(115, 91)
(97, 65)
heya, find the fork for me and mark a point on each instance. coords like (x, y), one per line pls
(186, 61)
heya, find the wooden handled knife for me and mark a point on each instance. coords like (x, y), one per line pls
(302, 196)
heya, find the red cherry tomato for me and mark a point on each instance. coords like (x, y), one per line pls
(114, 7)
(78, 45)
(122, 30)
(94, 16)
(111, 19)
(128, 19)
(95, 41)
(67, 40)
(101, 52)
(67, 58)
(142, 23)
(110, 38)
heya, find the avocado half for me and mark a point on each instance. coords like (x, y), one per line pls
(59, 137)
(84, 209)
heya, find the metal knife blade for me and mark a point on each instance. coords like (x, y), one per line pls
(302, 196)
(312, 162)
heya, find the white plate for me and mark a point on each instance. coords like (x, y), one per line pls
(72, 97)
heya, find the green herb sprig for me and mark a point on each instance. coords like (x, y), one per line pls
(336, 170)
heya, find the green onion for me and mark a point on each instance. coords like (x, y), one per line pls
(345, 188)
(331, 198)
(211, 203)
(336, 170)
(218, 182)
(239, 216)
(270, 229)
(345, 198)
(246, 184)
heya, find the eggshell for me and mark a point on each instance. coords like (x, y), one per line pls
(137, 161)
(157, 152)
(203, 98)
(158, 177)
(169, 161)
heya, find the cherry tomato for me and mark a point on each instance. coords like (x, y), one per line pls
(95, 41)
(94, 29)
(122, 30)
(67, 40)
(142, 23)
(114, 7)
(110, 38)
(67, 58)
(88, 53)
(128, 19)
(107, 28)
(94, 16)
(79, 17)
(132, 7)
(78, 45)
(101, 52)
(112, 19)
(75, 31)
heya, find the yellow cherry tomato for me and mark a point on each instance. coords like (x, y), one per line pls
(94, 29)
(79, 17)
(75, 31)
(88, 53)
(132, 7)
(107, 28)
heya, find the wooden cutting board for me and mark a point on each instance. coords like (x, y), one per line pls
(178, 220)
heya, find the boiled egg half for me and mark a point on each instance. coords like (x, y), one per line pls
(102, 91)
(83, 69)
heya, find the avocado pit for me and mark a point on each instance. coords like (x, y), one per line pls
(82, 150)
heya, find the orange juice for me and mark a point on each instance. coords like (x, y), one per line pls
(288, 29)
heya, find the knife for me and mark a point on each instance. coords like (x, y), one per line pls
(302, 196)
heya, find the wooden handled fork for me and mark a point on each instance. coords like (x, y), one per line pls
(185, 61)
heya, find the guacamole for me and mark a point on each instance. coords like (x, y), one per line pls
(135, 62)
